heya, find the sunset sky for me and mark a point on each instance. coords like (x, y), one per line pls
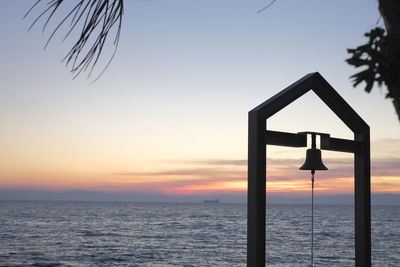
(169, 116)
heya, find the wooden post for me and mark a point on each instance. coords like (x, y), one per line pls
(362, 200)
(256, 206)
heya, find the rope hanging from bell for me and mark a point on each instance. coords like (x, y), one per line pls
(313, 162)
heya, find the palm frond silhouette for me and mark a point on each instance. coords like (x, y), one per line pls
(94, 20)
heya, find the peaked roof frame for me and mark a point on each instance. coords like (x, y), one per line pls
(259, 137)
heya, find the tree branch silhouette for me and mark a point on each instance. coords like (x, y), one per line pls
(267, 6)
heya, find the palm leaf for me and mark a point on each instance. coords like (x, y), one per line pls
(96, 20)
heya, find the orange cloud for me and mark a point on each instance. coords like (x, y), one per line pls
(283, 176)
(223, 176)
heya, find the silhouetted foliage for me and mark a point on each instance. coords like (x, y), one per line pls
(381, 55)
(95, 18)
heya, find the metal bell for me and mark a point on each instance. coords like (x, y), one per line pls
(313, 157)
(313, 160)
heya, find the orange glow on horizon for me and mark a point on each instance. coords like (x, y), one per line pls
(327, 186)
(191, 180)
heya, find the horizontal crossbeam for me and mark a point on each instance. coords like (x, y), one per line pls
(300, 140)
(341, 145)
(285, 139)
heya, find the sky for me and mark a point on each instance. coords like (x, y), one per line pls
(169, 115)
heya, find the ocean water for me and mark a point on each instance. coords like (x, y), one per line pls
(171, 234)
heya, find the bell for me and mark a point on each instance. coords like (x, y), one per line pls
(313, 157)
(313, 160)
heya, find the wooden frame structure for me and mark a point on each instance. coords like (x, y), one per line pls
(259, 136)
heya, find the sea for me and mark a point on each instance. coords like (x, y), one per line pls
(184, 234)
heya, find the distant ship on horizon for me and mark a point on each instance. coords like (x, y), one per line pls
(216, 201)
